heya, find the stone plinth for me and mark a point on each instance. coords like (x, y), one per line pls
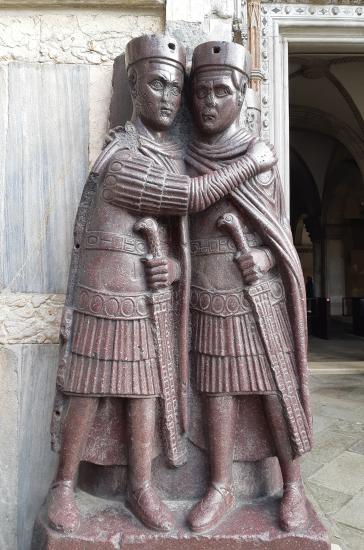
(108, 525)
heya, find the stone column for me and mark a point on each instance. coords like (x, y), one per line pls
(253, 101)
(335, 267)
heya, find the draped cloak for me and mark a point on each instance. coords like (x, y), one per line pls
(107, 441)
(261, 202)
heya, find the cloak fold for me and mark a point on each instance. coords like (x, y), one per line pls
(107, 441)
(261, 203)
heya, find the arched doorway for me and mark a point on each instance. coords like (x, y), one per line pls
(327, 190)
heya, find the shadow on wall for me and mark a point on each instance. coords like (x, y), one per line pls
(120, 106)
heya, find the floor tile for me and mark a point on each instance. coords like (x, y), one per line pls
(329, 444)
(330, 501)
(358, 447)
(339, 409)
(309, 466)
(321, 423)
(352, 513)
(344, 426)
(349, 538)
(344, 474)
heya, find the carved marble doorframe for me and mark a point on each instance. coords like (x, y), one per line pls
(299, 28)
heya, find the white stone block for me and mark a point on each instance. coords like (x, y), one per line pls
(199, 10)
(92, 37)
(9, 414)
(218, 29)
(27, 464)
(19, 37)
(4, 103)
(30, 318)
(46, 167)
(36, 462)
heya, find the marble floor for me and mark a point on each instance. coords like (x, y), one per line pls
(343, 352)
(334, 470)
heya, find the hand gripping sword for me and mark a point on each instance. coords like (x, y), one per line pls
(259, 296)
(161, 302)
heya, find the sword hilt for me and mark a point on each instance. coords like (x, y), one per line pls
(232, 224)
(149, 227)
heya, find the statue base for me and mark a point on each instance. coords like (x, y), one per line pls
(108, 525)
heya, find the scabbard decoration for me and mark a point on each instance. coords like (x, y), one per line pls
(258, 294)
(160, 306)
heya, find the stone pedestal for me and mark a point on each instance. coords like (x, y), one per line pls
(108, 525)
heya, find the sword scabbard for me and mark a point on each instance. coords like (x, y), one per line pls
(258, 295)
(160, 301)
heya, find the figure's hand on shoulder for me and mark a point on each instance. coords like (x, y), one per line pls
(262, 154)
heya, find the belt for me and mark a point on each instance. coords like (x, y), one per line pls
(233, 302)
(103, 240)
(220, 245)
(112, 306)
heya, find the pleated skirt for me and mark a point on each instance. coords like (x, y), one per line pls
(111, 358)
(229, 355)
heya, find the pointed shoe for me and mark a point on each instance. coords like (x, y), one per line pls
(214, 507)
(149, 508)
(63, 514)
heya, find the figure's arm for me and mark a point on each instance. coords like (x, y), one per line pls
(136, 184)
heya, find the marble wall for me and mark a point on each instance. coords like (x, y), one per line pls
(56, 68)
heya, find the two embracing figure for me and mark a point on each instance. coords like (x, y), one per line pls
(183, 269)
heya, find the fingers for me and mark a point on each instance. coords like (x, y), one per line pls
(250, 274)
(156, 270)
(245, 261)
(251, 277)
(249, 268)
(157, 280)
(156, 283)
(155, 262)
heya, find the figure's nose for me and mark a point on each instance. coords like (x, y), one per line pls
(166, 94)
(210, 100)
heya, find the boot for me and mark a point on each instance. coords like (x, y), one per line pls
(148, 507)
(293, 511)
(63, 514)
(214, 507)
(142, 498)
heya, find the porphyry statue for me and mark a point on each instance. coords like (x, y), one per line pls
(247, 296)
(129, 282)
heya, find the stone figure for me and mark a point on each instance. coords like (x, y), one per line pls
(128, 293)
(247, 296)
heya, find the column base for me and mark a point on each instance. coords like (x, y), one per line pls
(108, 525)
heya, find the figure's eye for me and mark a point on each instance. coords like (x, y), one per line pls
(202, 92)
(156, 85)
(221, 91)
(176, 90)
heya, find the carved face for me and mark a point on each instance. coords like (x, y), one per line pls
(157, 90)
(217, 98)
